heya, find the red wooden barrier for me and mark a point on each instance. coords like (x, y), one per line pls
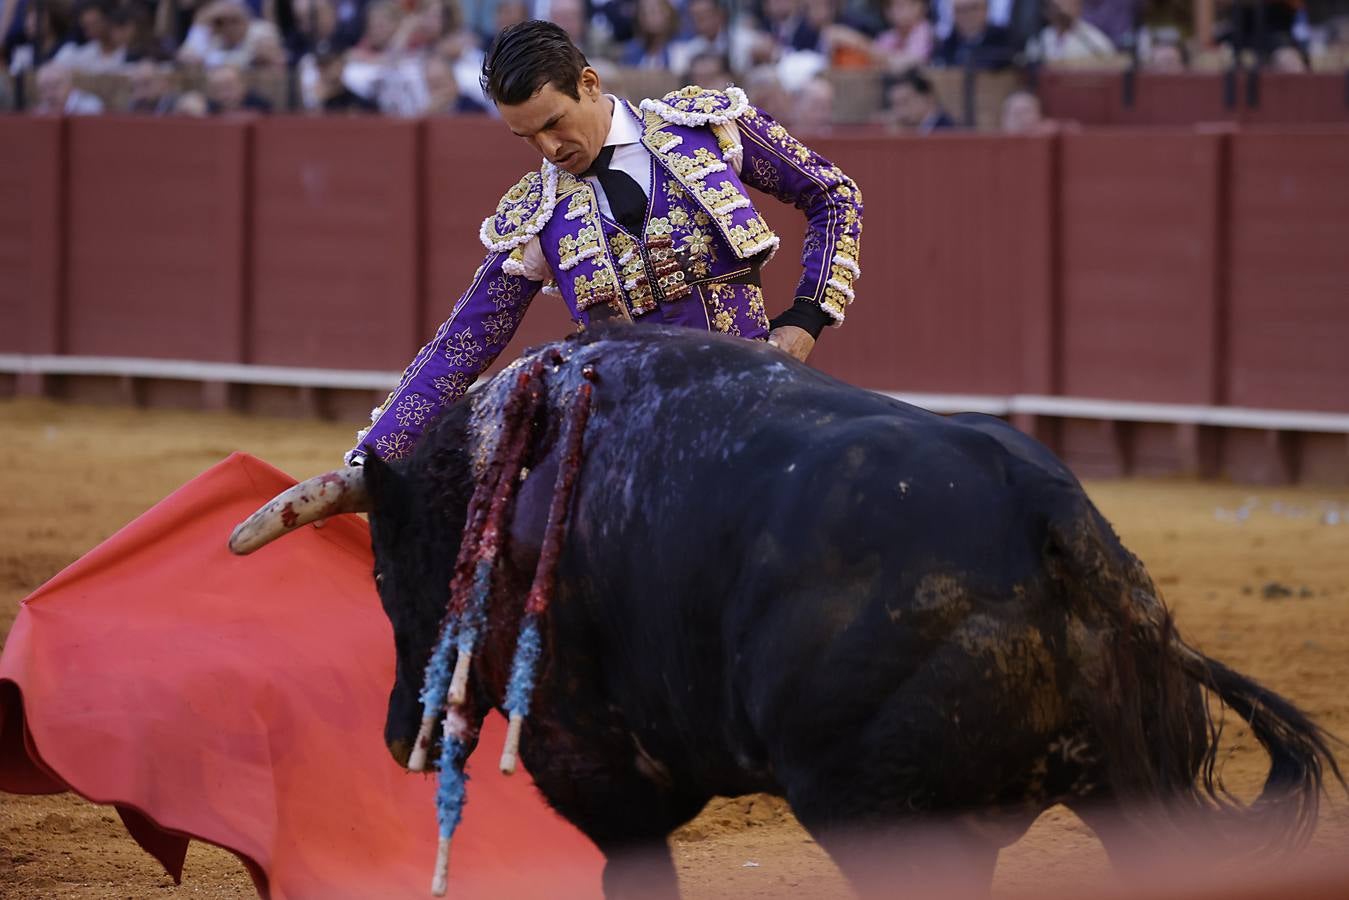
(1097, 98)
(335, 243)
(1084, 97)
(1171, 266)
(155, 238)
(1139, 247)
(30, 228)
(1182, 98)
(955, 286)
(1289, 275)
(1284, 98)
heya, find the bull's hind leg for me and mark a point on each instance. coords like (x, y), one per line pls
(912, 857)
(870, 806)
(912, 793)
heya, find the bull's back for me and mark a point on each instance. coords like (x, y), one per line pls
(747, 530)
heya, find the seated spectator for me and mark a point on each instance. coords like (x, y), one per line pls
(508, 13)
(1166, 52)
(151, 89)
(1022, 114)
(1289, 57)
(383, 19)
(844, 40)
(813, 111)
(709, 70)
(21, 44)
(709, 23)
(269, 54)
(227, 92)
(192, 104)
(570, 16)
(1117, 19)
(105, 45)
(972, 41)
(1248, 27)
(333, 96)
(316, 28)
(711, 34)
(135, 21)
(615, 20)
(316, 35)
(442, 90)
(381, 68)
(656, 27)
(461, 50)
(912, 105)
(57, 94)
(226, 34)
(766, 92)
(818, 17)
(783, 28)
(1068, 37)
(908, 41)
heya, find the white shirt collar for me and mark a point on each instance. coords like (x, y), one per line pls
(623, 127)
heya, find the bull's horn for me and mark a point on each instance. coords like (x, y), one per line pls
(341, 491)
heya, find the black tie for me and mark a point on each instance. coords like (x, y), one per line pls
(626, 199)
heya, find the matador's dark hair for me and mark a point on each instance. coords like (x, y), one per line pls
(525, 57)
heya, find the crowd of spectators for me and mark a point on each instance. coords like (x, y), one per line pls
(422, 57)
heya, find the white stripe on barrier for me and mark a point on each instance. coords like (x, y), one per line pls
(191, 370)
(991, 404)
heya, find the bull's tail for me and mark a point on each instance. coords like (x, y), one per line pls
(1299, 749)
(1159, 738)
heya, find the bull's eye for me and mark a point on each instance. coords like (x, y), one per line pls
(379, 579)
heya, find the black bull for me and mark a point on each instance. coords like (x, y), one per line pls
(777, 582)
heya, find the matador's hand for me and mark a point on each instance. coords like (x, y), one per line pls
(792, 340)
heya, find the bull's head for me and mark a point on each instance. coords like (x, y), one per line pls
(415, 522)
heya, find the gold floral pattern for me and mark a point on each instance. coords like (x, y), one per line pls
(499, 326)
(723, 301)
(756, 304)
(462, 350)
(600, 288)
(413, 410)
(830, 253)
(451, 386)
(751, 234)
(720, 199)
(766, 177)
(621, 244)
(582, 245)
(395, 445)
(504, 290)
(579, 205)
(522, 211)
(695, 106)
(699, 243)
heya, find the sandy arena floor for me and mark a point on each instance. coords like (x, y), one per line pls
(1265, 590)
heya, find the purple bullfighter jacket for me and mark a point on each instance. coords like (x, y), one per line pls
(696, 264)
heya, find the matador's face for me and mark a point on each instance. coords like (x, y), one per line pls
(569, 133)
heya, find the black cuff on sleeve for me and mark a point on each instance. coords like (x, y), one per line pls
(804, 314)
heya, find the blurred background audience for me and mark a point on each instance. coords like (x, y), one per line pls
(812, 63)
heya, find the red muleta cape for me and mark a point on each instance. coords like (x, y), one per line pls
(241, 701)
